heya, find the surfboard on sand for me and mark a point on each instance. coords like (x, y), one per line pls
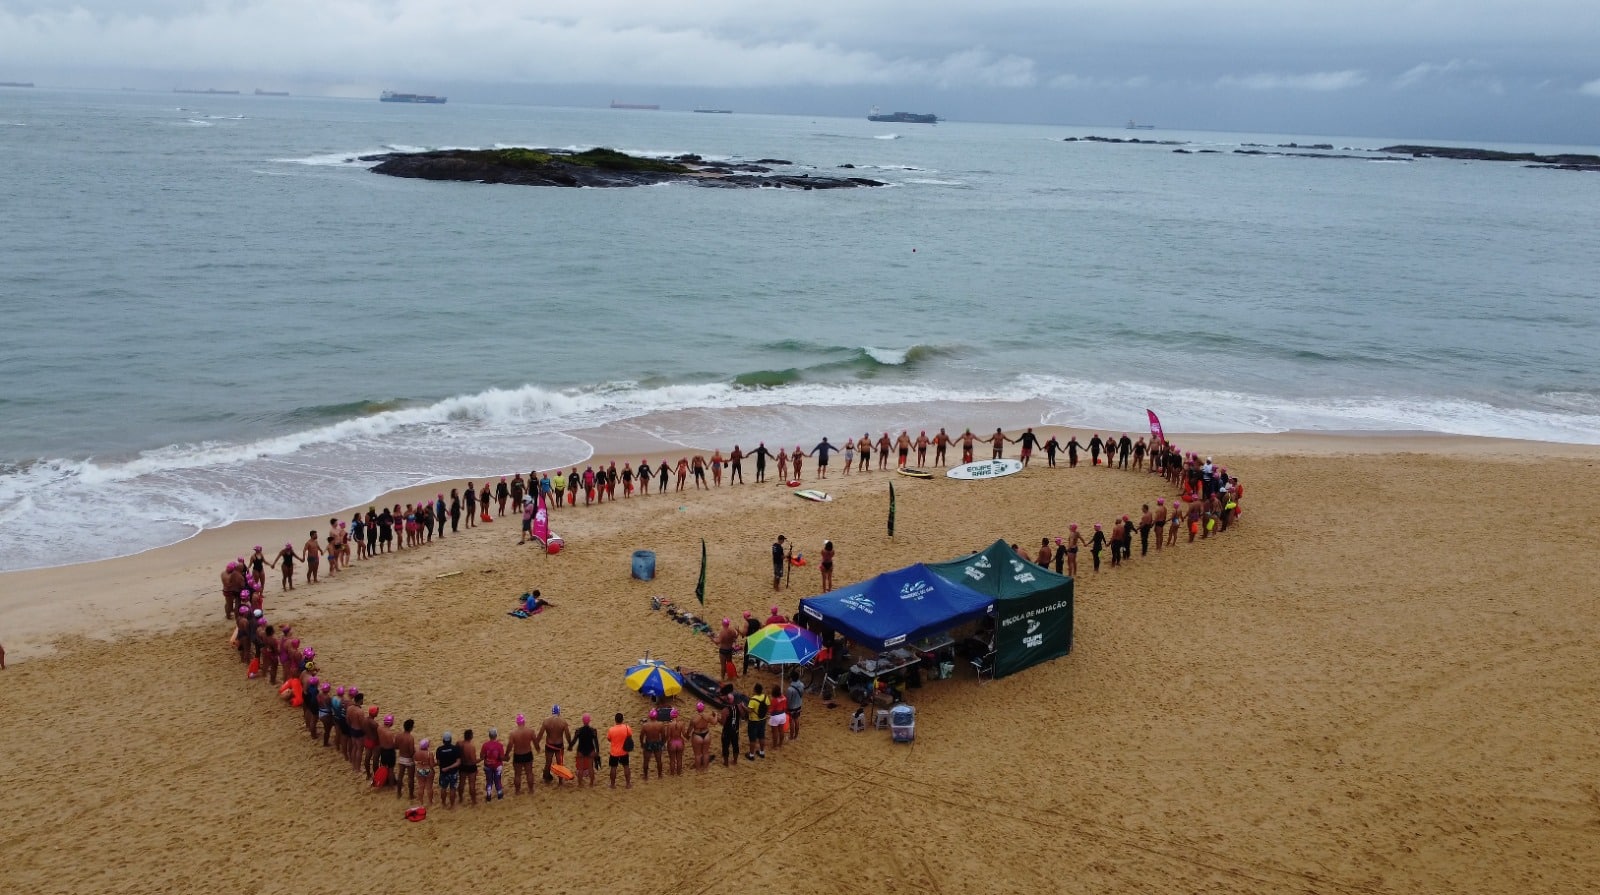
(810, 494)
(986, 469)
(916, 473)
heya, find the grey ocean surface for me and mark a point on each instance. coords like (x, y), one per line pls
(212, 313)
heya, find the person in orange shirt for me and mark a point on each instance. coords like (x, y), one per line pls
(619, 735)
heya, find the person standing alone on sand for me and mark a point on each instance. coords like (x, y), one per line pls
(827, 566)
(777, 563)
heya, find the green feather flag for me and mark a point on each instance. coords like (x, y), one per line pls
(700, 588)
(891, 509)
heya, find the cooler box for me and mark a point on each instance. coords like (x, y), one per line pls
(644, 564)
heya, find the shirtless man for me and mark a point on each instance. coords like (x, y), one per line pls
(883, 450)
(940, 443)
(313, 554)
(270, 649)
(654, 734)
(966, 446)
(1174, 523)
(469, 768)
(922, 447)
(998, 441)
(903, 448)
(232, 583)
(1146, 520)
(864, 453)
(1193, 513)
(355, 722)
(387, 740)
(1159, 521)
(1116, 542)
(405, 747)
(553, 733)
(698, 467)
(522, 743)
(725, 638)
(735, 466)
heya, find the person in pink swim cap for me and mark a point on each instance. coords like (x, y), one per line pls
(725, 638)
(287, 558)
(676, 732)
(521, 744)
(232, 582)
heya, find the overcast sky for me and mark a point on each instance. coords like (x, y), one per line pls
(1513, 70)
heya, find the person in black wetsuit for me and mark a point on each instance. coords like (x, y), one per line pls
(1094, 449)
(385, 529)
(1097, 544)
(761, 454)
(729, 711)
(1124, 448)
(586, 740)
(455, 511)
(1050, 449)
(644, 478)
(472, 506)
(1073, 447)
(663, 472)
(1061, 556)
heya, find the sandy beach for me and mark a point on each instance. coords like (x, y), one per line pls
(1380, 681)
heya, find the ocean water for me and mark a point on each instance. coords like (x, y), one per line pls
(213, 313)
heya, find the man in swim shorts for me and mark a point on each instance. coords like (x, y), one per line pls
(1028, 440)
(387, 756)
(903, 446)
(653, 733)
(725, 638)
(1158, 522)
(313, 554)
(998, 441)
(756, 727)
(405, 747)
(553, 733)
(469, 768)
(522, 744)
(448, 757)
(940, 443)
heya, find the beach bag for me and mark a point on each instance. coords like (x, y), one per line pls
(627, 744)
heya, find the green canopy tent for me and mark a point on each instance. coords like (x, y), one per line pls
(1032, 609)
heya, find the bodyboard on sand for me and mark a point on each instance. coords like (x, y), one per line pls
(810, 494)
(985, 469)
(916, 473)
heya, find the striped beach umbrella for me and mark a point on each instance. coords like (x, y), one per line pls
(785, 644)
(654, 680)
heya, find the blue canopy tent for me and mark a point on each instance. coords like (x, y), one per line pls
(897, 607)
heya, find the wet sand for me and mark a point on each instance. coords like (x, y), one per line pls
(1380, 681)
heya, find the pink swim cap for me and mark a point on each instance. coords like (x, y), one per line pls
(258, 548)
(1058, 540)
(521, 719)
(747, 613)
(341, 691)
(1073, 526)
(1160, 501)
(424, 743)
(314, 680)
(388, 720)
(674, 713)
(288, 546)
(586, 718)
(232, 566)
(699, 706)
(726, 622)
(652, 714)
(774, 610)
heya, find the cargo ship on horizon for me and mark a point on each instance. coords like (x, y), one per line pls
(389, 96)
(16, 83)
(209, 91)
(902, 117)
(639, 107)
(260, 92)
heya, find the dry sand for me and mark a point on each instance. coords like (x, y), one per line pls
(1382, 681)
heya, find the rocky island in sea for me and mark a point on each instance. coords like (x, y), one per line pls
(596, 168)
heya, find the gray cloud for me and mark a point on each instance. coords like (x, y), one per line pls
(1192, 64)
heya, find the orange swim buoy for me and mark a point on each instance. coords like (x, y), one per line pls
(294, 690)
(793, 483)
(561, 771)
(417, 813)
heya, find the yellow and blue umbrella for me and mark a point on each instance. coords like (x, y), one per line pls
(653, 679)
(784, 644)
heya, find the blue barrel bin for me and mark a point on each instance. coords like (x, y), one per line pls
(644, 564)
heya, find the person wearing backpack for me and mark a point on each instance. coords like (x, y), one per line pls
(756, 729)
(621, 738)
